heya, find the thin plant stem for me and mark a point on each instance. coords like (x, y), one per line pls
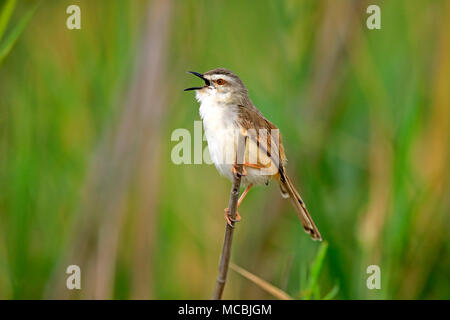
(229, 229)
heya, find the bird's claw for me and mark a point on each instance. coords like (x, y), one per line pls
(238, 174)
(228, 218)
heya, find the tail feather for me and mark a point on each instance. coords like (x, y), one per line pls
(288, 190)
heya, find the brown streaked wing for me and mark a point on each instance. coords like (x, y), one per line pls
(271, 148)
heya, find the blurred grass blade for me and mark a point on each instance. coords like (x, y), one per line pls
(8, 43)
(5, 15)
(333, 292)
(315, 272)
(266, 286)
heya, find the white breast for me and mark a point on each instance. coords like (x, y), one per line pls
(220, 131)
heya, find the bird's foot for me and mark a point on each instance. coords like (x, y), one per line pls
(229, 219)
(238, 174)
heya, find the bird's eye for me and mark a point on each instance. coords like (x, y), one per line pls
(220, 82)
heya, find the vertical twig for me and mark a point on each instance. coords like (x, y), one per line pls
(232, 207)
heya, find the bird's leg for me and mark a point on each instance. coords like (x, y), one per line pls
(244, 171)
(236, 173)
(238, 216)
(255, 165)
(244, 194)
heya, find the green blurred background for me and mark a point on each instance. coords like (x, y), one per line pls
(86, 177)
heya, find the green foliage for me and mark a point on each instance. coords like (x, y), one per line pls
(5, 15)
(316, 267)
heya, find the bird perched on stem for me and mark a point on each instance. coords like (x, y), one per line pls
(228, 113)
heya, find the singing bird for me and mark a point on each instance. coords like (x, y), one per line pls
(227, 113)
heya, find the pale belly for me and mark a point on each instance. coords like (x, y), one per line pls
(221, 134)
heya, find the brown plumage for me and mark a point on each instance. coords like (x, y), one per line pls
(227, 111)
(253, 119)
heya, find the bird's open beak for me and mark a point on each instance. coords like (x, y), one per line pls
(207, 83)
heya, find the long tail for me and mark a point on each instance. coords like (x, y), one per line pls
(288, 191)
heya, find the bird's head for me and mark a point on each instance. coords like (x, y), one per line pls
(221, 85)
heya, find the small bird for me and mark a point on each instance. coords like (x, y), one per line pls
(227, 113)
